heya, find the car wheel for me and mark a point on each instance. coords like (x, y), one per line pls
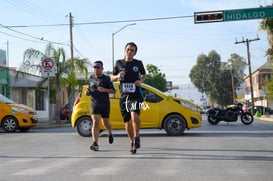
(10, 124)
(174, 125)
(84, 126)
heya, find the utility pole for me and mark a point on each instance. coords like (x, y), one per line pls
(71, 35)
(71, 90)
(247, 41)
(8, 75)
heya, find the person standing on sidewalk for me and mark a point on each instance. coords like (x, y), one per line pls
(131, 73)
(100, 86)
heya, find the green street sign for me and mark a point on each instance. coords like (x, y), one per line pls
(247, 14)
(233, 15)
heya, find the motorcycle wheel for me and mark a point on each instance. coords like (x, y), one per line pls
(247, 118)
(212, 120)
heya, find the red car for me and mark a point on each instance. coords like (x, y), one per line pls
(65, 112)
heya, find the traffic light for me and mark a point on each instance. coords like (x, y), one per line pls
(208, 17)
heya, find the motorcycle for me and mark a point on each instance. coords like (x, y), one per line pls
(230, 114)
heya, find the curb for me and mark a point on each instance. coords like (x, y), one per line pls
(52, 124)
(265, 118)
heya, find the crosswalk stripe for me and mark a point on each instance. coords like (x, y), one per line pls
(47, 165)
(109, 167)
(32, 171)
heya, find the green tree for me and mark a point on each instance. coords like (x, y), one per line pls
(237, 66)
(214, 78)
(223, 88)
(204, 75)
(232, 70)
(268, 88)
(155, 78)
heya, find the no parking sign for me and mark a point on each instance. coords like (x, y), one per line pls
(48, 69)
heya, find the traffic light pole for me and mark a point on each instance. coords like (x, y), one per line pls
(247, 41)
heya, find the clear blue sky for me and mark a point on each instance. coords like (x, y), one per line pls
(171, 44)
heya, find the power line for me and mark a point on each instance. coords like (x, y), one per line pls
(31, 36)
(32, 9)
(78, 51)
(19, 37)
(88, 23)
(101, 22)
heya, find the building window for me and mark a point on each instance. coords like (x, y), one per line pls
(40, 100)
(3, 90)
(30, 98)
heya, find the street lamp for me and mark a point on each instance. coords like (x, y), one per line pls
(113, 34)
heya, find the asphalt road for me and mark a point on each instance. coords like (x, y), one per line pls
(222, 152)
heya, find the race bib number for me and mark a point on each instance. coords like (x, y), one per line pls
(128, 87)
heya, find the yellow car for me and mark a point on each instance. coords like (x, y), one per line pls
(16, 116)
(158, 111)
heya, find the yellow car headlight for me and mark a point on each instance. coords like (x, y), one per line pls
(16, 109)
(189, 105)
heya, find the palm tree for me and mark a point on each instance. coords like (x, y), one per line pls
(267, 25)
(73, 69)
(32, 63)
(65, 70)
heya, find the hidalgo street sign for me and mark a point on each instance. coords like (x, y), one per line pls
(247, 14)
(233, 15)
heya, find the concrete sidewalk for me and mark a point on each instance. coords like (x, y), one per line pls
(265, 117)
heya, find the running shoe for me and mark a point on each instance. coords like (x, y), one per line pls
(110, 139)
(133, 149)
(137, 142)
(94, 147)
